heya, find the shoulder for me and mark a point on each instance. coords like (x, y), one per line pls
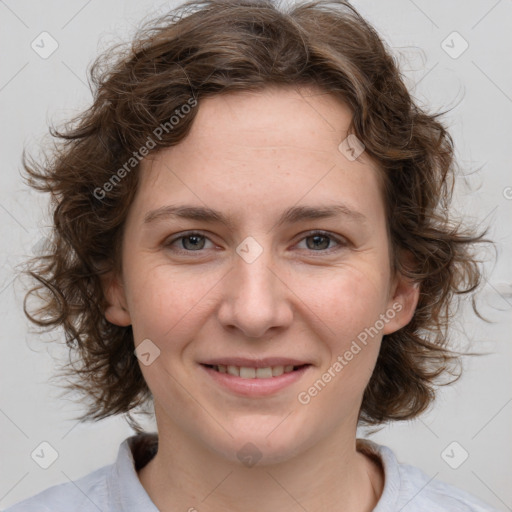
(110, 488)
(86, 494)
(432, 495)
(407, 487)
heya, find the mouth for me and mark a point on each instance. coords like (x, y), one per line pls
(248, 372)
(257, 381)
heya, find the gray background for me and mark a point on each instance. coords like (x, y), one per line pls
(476, 412)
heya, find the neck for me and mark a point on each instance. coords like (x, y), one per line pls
(331, 475)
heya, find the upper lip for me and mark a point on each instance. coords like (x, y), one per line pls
(254, 363)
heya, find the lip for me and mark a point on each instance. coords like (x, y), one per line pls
(255, 363)
(255, 387)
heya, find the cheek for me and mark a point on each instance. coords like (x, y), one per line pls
(345, 300)
(173, 303)
(165, 303)
(346, 309)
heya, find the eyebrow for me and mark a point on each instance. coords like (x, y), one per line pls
(290, 216)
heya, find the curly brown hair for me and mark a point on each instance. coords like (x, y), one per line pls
(211, 47)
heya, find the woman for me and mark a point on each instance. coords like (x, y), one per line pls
(251, 234)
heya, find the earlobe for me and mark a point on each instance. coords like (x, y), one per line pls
(118, 316)
(116, 311)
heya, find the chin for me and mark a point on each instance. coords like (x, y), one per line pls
(269, 443)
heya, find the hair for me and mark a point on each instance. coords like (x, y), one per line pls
(210, 47)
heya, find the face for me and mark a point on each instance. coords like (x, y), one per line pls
(264, 282)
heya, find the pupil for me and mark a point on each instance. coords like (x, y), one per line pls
(196, 242)
(318, 238)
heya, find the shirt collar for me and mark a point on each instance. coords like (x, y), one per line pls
(129, 495)
(389, 497)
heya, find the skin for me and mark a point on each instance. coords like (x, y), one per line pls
(251, 155)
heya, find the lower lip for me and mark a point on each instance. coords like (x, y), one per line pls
(255, 387)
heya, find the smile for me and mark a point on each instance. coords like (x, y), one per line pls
(254, 382)
(246, 372)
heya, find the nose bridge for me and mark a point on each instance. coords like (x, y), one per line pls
(253, 256)
(256, 286)
(255, 300)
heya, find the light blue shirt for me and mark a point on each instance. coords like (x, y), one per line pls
(117, 488)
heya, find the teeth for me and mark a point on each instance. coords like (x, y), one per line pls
(263, 373)
(247, 373)
(277, 370)
(254, 373)
(233, 370)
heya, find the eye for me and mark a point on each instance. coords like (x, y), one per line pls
(189, 242)
(317, 241)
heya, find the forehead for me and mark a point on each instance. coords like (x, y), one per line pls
(283, 119)
(278, 144)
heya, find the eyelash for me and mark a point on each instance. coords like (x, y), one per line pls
(339, 241)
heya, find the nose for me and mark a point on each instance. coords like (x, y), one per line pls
(255, 297)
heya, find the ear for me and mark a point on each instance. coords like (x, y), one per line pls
(403, 299)
(116, 311)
